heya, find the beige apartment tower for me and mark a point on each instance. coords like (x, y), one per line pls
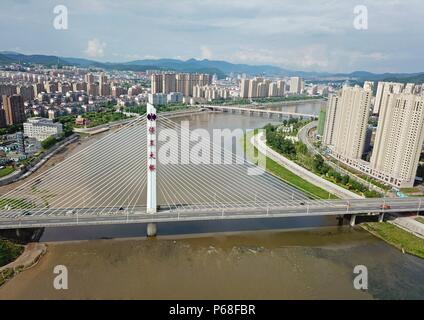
(347, 122)
(156, 81)
(330, 121)
(296, 85)
(383, 89)
(399, 139)
(244, 88)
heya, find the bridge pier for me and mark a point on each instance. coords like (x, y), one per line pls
(381, 217)
(352, 220)
(152, 230)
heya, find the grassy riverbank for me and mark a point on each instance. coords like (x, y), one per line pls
(6, 171)
(288, 176)
(9, 252)
(420, 219)
(397, 237)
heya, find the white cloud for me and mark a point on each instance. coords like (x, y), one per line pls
(206, 52)
(313, 57)
(95, 48)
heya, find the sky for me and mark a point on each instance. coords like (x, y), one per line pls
(307, 35)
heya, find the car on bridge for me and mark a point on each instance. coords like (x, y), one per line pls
(385, 206)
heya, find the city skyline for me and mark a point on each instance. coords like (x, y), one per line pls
(320, 38)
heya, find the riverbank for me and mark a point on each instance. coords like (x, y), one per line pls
(9, 252)
(333, 189)
(16, 258)
(286, 175)
(397, 237)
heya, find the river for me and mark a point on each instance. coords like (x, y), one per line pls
(310, 258)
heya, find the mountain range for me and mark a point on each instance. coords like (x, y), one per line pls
(221, 68)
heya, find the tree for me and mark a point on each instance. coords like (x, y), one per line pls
(48, 143)
(317, 163)
(287, 147)
(345, 179)
(301, 148)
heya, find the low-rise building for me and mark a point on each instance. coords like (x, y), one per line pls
(42, 128)
(157, 99)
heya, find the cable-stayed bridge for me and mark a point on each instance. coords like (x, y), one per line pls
(155, 170)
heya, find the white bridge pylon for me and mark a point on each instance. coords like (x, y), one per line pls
(151, 159)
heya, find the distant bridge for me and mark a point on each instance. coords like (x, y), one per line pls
(259, 111)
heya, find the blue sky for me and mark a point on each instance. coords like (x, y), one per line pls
(312, 35)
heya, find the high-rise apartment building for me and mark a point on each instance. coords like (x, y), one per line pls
(79, 86)
(7, 89)
(253, 88)
(169, 83)
(118, 91)
(37, 88)
(296, 85)
(14, 109)
(179, 82)
(281, 88)
(261, 88)
(51, 87)
(64, 87)
(104, 87)
(26, 91)
(383, 89)
(330, 122)
(93, 89)
(273, 90)
(3, 123)
(347, 122)
(244, 88)
(399, 139)
(89, 78)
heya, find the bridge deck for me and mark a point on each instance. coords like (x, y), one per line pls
(89, 216)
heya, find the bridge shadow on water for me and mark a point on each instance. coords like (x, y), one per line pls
(169, 229)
